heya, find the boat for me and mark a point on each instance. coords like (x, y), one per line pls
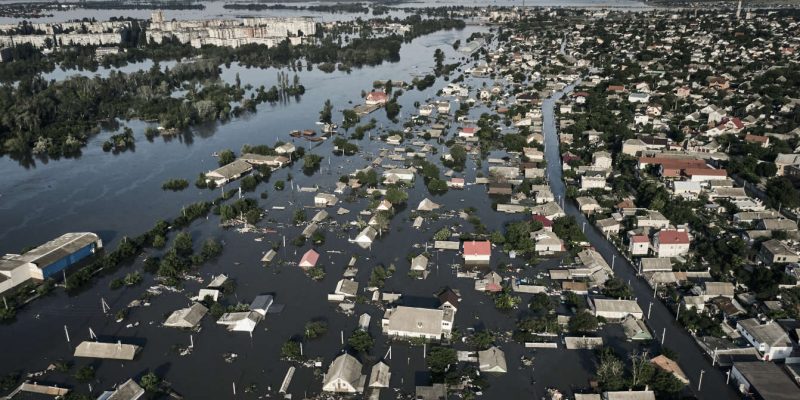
(294, 133)
(315, 139)
(309, 132)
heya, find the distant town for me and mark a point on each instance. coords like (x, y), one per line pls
(401, 202)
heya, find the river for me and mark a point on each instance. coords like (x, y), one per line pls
(661, 321)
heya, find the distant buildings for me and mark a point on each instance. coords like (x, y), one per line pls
(47, 260)
(268, 31)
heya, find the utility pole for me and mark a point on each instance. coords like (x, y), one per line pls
(649, 309)
(663, 336)
(700, 383)
(66, 332)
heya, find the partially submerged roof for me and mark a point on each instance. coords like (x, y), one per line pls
(379, 376)
(113, 351)
(186, 317)
(492, 360)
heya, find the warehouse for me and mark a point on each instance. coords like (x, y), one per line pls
(48, 259)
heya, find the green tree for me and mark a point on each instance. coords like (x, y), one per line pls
(360, 341)
(150, 382)
(327, 112)
(396, 195)
(782, 193)
(617, 288)
(315, 329)
(183, 244)
(481, 340)
(290, 350)
(84, 374)
(440, 359)
(540, 303)
(582, 322)
(226, 157)
(351, 119)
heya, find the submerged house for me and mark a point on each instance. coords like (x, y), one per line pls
(344, 376)
(309, 259)
(186, 317)
(492, 360)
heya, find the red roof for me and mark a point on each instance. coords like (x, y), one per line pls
(673, 237)
(309, 259)
(469, 129)
(457, 180)
(705, 172)
(473, 248)
(544, 220)
(756, 139)
(640, 239)
(377, 96)
(616, 88)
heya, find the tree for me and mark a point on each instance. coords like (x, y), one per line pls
(440, 359)
(150, 382)
(505, 301)
(361, 341)
(327, 112)
(226, 157)
(781, 193)
(84, 374)
(616, 288)
(610, 371)
(290, 350)
(183, 244)
(396, 195)
(481, 340)
(311, 161)
(540, 303)
(583, 322)
(249, 183)
(211, 248)
(315, 329)
(351, 118)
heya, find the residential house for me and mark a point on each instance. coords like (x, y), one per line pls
(639, 245)
(616, 310)
(771, 341)
(492, 360)
(671, 243)
(477, 251)
(761, 380)
(414, 322)
(376, 98)
(547, 242)
(186, 317)
(228, 172)
(309, 259)
(775, 251)
(344, 376)
(587, 205)
(366, 237)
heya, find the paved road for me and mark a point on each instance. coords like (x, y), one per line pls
(691, 359)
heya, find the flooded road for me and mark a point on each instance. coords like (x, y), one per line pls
(661, 321)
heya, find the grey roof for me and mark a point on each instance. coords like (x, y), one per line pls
(492, 360)
(347, 368)
(52, 251)
(419, 263)
(768, 380)
(347, 287)
(777, 224)
(656, 264)
(187, 317)
(719, 289)
(777, 247)
(261, 304)
(115, 351)
(614, 305)
(130, 390)
(232, 170)
(379, 376)
(411, 319)
(630, 395)
(770, 333)
(437, 391)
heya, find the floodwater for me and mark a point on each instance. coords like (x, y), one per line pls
(117, 195)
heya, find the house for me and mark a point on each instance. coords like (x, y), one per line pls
(448, 299)
(325, 200)
(762, 141)
(639, 245)
(427, 205)
(229, 172)
(635, 329)
(630, 395)
(671, 243)
(456, 183)
(771, 341)
(788, 164)
(477, 251)
(376, 98)
(244, 321)
(653, 219)
(436, 391)
(763, 380)
(309, 259)
(602, 160)
(491, 282)
(346, 288)
(380, 376)
(399, 175)
(546, 242)
(616, 310)
(774, 251)
(186, 317)
(642, 98)
(546, 223)
(414, 322)
(366, 237)
(344, 376)
(717, 289)
(467, 132)
(688, 189)
(261, 304)
(666, 364)
(286, 148)
(587, 205)
(550, 210)
(777, 224)
(419, 263)
(107, 351)
(129, 390)
(608, 226)
(655, 265)
(592, 182)
(492, 360)
(270, 161)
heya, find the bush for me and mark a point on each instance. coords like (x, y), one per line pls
(315, 329)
